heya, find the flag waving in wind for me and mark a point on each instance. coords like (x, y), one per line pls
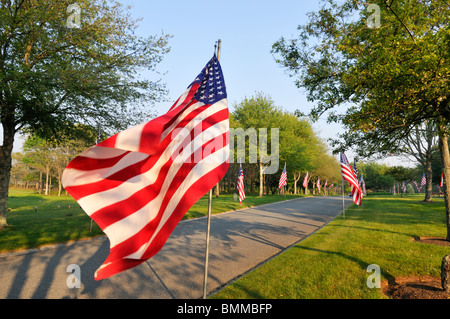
(441, 183)
(240, 184)
(139, 183)
(424, 180)
(305, 181)
(283, 178)
(349, 176)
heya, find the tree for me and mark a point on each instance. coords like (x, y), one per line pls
(63, 63)
(391, 78)
(253, 114)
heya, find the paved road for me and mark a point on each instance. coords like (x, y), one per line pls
(240, 241)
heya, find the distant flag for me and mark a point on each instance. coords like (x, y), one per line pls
(240, 184)
(318, 184)
(305, 180)
(349, 176)
(283, 178)
(404, 187)
(424, 180)
(139, 183)
(417, 186)
(362, 185)
(441, 184)
(326, 183)
(355, 169)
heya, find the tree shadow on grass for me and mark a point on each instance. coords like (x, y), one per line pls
(354, 259)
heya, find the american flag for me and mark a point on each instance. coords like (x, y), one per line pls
(417, 186)
(318, 184)
(424, 180)
(240, 184)
(305, 181)
(349, 176)
(139, 183)
(362, 185)
(355, 169)
(283, 178)
(441, 184)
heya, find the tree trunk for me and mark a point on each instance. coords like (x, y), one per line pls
(47, 174)
(5, 171)
(445, 157)
(40, 183)
(217, 190)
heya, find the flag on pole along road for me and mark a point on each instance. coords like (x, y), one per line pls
(318, 184)
(349, 176)
(240, 184)
(139, 183)
(355, 169)
(424, 180)
(283, 178)
(441, 184)
(305, 180)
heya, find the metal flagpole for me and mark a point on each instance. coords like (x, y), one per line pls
(208, 227)
(343, 205)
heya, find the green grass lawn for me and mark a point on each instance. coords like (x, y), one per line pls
(333, 262)
(51, 224)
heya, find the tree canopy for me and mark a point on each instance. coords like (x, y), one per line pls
(65, 63)
(389, 78)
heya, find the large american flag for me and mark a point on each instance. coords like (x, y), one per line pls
(139, 183)
(349, 176)
(441, 183)
(283, 178)
(240, 184)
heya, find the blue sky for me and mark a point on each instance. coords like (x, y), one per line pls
(247, 29)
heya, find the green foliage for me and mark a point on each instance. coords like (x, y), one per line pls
(299, 146)
(53, 75)
(392, 77)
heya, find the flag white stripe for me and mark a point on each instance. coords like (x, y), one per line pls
(130, 139)
(77, 177)
(99, 152)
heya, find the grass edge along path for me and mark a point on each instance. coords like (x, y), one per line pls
(35, 221)
(333, 262)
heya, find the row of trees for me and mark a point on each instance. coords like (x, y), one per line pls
(381, 177)
(299, 147)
